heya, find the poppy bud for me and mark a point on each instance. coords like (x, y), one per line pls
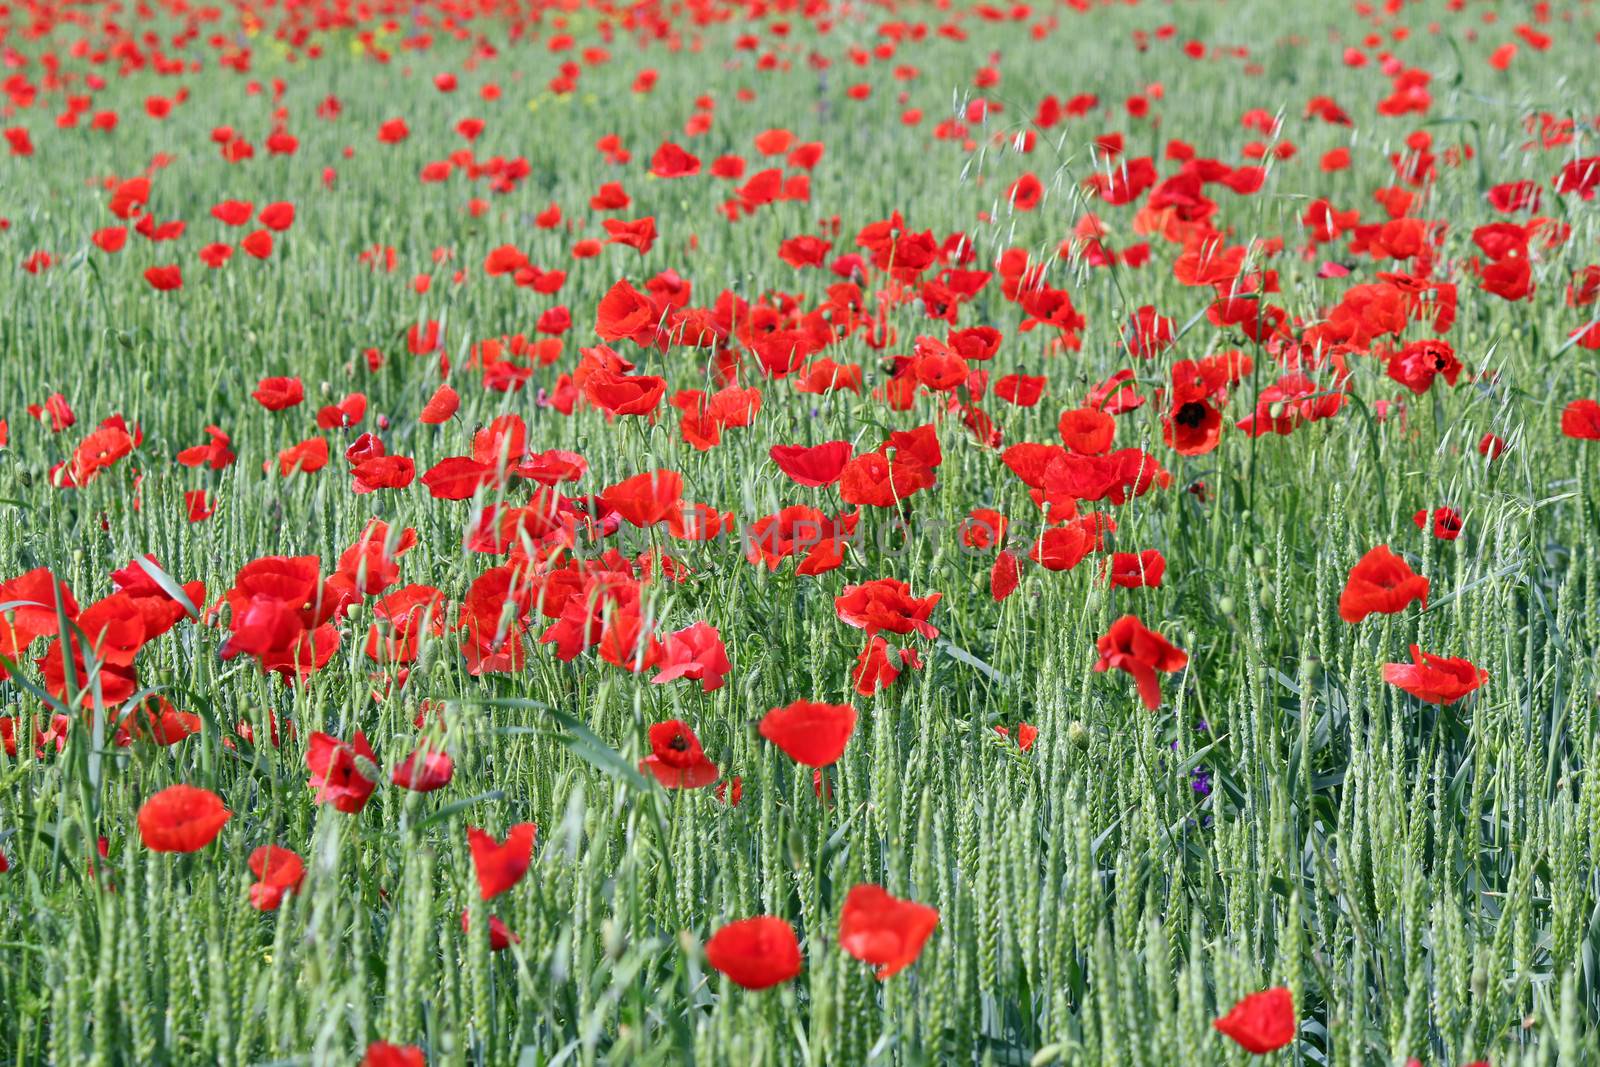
(614, 938)
(798, 855)
(1078, 734)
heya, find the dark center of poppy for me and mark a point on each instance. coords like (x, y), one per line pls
(1192, 415)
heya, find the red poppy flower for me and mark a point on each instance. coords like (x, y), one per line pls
(215, 454)
(799, 531)
(1581, 420)
(281, 612)
(676, 759)
(277, 217)
(695, 652)
(1025, 193)
(116, 630)
(552, 467)
(1381, 583)
(611, 196)
(1261, 1022)
(878, 666)
(1130, 646)
(1118, 476)
(423, 771)
(882, 481)
(1062, 548)
(31, 612)
(1580, 176)
(501, 865)
(111, 239)
(1435, 679)
(884, 931)
(810, 733)
(95, 454)
(383, 1054)
(1023, 390)
(275, 394)
(984, 528)
(1130, 570)
(257, 244)
(371, 563)
(382, 472)
(625, 313)
(1289, 403)
(457, 478)
(1447, 522)
(393, 131)
(440, 406)
(216, 255)
(1003, 576)
(616, 393)
(815, 465)
(755, 953)
(1087, 430)
(1416, 365)
(336, 774)
(1147, 333)
(645, 499)
(164, 279)
(1584, 289)
(823, 375)
(638, 234)
(1193, 427)
(233, 212)
(59, 411)
(181, 818)
(406, 614)
(1515, 196)
(278, 872)
(160, 611)
(1026, 735)
(156, 720)
(500, 935)
(804, 251)
(347, 412)
(673, 161)
(307, 457)
(886, 605)
(1509, 279)
(730, 797)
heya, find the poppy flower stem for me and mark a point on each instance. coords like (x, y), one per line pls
(1375, 449)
